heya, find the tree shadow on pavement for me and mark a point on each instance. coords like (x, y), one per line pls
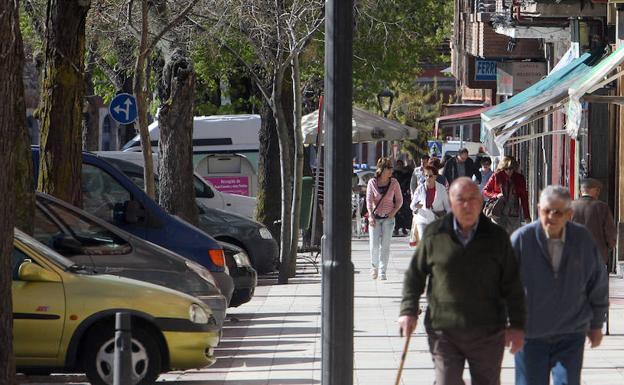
(263, 342)
(269, 362)
(281, 381)
(265, 332)
(242, 316)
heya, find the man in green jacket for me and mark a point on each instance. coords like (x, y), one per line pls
(475, 298)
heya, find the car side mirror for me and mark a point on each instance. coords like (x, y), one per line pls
(133, 212)
(31, 272)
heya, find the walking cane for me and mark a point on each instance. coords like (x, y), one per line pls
(407, 341)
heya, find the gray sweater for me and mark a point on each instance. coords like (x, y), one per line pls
(577, 297)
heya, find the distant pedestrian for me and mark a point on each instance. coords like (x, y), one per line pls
(440, 178)
(474, 291)
(403, 221)
(461, 165)
(567, 291)
(383, 201)
(485, 171)
(417, 175)
(596, 215)
(430, 201)
(507, 192)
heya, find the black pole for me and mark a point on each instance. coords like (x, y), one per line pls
(337, 296)
(122, 370)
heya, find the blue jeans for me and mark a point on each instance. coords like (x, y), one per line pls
(379, 239)
(561, 356)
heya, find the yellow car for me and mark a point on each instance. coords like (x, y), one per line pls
(64, 316)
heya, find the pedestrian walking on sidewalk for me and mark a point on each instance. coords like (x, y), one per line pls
(430, 201)
(567, 291)
(383, 200)
(474, 294)
(461, 165)
(418, 174)
(507, 191)
(596, 215)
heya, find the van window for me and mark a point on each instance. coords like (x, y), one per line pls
(101, 192)
(202, 190)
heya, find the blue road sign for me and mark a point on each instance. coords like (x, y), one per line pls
(435, 148)
(123, 108)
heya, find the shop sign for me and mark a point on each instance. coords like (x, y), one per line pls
(485, 70)
(514, 77)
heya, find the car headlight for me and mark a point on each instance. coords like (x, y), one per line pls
(242, 259)
(197, 314)
(202, 272)
(265, 233)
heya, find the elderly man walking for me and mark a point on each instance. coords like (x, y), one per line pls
(475, 297)
(566, 284)
(596, 216)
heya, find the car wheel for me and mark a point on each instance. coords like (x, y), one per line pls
(100, 353)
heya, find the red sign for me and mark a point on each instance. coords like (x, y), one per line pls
(231, 184)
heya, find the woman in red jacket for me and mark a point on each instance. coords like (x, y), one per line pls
(508, 186)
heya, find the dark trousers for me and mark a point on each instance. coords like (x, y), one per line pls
(483, 349)
(561, 356)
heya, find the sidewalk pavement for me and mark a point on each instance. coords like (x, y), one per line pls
(275, 338)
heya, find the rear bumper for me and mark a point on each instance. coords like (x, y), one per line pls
(245, 282)
(264, 255)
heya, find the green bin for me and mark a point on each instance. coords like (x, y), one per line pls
(307, 190)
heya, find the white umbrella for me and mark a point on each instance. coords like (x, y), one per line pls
(366, 127)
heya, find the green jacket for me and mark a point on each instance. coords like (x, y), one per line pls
(474, 286)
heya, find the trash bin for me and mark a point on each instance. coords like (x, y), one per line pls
(307, 189)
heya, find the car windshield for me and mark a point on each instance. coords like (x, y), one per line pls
(44, 251)
(69, 232)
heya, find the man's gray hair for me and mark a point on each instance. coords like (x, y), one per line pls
(552, 193)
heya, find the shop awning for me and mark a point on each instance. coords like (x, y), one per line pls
(596, 78)
(547, 94)
(466, 117)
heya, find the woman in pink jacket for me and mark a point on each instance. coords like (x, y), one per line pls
(383, 200)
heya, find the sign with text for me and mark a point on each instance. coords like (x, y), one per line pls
(231, 184)
(485, 70)
(515, 77)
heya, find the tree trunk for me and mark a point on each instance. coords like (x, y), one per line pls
(285, 144)
(90, 117)
(62, 94)
(268, 207)
(12, 123)
(140, 92)
(298, 163)
(177, 192)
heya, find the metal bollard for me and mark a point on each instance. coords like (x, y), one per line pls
(122, 369)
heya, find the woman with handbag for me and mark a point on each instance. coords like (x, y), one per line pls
(383, 200)
(430, 201)
(508, 199)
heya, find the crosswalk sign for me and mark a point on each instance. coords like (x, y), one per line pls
(435, 148)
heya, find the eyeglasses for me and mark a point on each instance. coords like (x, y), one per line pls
(555, 212)
(508, 169)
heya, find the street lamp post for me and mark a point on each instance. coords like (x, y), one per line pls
(385, 99)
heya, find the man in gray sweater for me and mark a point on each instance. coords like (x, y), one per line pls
(567, 291)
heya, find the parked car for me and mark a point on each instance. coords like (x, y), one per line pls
(64, 316)
(104, 248)
(109, 195)
(205, 192)
(244, 275)
(250, 235)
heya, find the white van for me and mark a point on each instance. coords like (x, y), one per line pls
(216, 134)
(452, 147)
(205, 192)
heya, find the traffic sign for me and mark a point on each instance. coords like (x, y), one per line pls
(123, 108)
(435, 148)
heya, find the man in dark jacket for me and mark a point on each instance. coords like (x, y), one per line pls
(474, 293)
(567, 291)
(596, 216)
(461, 165)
